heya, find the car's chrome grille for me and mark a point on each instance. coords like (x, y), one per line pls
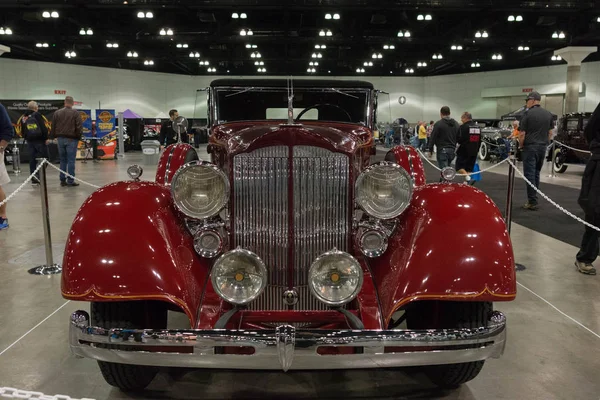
(261, 213)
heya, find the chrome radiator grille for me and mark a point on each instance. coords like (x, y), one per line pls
(262, 207)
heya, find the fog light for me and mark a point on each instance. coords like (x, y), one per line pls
(335, 278)
(448, 174)
(135, 172)
(239, 276)
(208, 243)
(373, 243)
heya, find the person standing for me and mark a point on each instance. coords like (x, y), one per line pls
(33, 129)
(469, 140)
(422, 136)
(67, 127)
(535, 131)
(443, 137)
(589, 198)
(429, 130)
(6, 134)
(168, 135)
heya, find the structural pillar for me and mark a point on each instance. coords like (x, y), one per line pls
(573, 55)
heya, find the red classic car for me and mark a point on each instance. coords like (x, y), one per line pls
(289, 249)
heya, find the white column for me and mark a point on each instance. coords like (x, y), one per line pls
(574, 55)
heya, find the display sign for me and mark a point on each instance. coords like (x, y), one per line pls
(16, 109)
(86, 120)
(105, 122)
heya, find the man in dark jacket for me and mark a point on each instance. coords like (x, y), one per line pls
(443, 137)
(469, 140)
(168, 135)
(67, 127)
(589, 198)
(33, 129)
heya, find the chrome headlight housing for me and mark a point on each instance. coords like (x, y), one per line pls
(200, 189)
(384, 190)
(335, 278)
(239, 276)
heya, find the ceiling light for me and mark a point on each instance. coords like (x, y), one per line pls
(148, 62)
(38, 45)
(54, 14)
(212, 69)
(162, 32)
(475, 65)
(336, 16)
(420, 17)
(484, 34)
(89, 31)
(409, 71)
(248, 46)
(7, 31)
(109, 45)
(250, 33)
(407, 34)
(386, 47)
(82, 31)
(400, 34)
(46, 14)
(511, 18)
(197, 55)
(477, 34)
(235, 15)
(360, 70)
(150, 15)
(328, 16)
(520, 48)
(555, 35)
(561, 35)
(556, 58)
(72, 54)
(243, 16)
(141, 14)
(129, 54)
(170, 32)
(453, 47)
(428, 17)
(526, 48)
(419, 65)
(329, 33)
(519, 18)
(496, 56)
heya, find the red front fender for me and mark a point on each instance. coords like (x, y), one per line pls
(451, 244)
(128, 242)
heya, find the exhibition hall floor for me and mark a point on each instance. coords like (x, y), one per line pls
(553, 349)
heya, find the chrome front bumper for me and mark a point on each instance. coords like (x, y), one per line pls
(286, 347)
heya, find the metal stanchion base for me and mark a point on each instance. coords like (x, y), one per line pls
(520, 267)
(46, 270)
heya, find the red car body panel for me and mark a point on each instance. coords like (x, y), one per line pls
(450, 244)
(144, 251)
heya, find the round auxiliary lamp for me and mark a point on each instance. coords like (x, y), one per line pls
(180, 125)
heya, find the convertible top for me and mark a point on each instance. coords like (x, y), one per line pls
(303, 83)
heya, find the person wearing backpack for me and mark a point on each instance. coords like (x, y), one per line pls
(33, 129)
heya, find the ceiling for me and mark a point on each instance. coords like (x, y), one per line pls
(285, 36)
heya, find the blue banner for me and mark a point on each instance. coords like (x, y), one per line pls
(105, 122)
(86, 118)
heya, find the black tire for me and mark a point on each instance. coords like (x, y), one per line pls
(484, 151)
(558, 165)
(131, 314)
(450, 314)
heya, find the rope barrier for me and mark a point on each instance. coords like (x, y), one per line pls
(468, 173)
(29, 178)
(555, 204)
(572, 148)
(75, 178)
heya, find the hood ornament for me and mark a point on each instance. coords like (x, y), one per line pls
(290, 113)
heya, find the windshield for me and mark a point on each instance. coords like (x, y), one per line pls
(572, 124)
(317, 104)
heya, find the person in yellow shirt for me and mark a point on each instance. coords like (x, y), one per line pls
(422, 136)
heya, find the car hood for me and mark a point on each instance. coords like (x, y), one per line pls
(240, 137)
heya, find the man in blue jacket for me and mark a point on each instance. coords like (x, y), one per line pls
(6, 134)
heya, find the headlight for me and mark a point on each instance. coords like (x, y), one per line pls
(335, 278)
(239, 276)
(384, 190)
(372, 242)
(200, 190)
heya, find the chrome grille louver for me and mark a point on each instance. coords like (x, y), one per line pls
(320, 202)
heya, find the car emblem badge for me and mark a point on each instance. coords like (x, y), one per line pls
(290, 297)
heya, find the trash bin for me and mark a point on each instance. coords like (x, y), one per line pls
(151, 150)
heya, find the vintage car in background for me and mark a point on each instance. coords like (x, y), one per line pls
(294, 247)
(570, 132)
(494, 137)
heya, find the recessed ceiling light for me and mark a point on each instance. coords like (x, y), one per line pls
(89, 32)
(519, 18)
(328, 33)
(162, 32)
(150, 15)
(170, 32)
(407, 34)
(82, 31)
(46, 14)
(327, 16)
(243, 16)
(520, 48)
(129, 54)
(477, 34)
(484, 34)
(428, 17)
(38, 45)
(235, 15)
(141, 14)
(420, 17)
(400, 34)
(561, 35)
(54, 14)
(336, 16)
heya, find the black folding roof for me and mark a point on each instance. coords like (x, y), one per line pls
(303, 83)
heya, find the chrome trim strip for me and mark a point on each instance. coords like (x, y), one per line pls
(168, 169)
(288, 347)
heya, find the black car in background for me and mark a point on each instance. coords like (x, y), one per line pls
(494, 133)
(570, 132)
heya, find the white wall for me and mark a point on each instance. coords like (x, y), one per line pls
(150, 93)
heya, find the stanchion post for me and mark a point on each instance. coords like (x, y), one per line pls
(510, 189)
(553, 158)
(50, 267)
(120, 133)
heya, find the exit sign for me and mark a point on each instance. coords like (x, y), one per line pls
(56, 91)
(527, 90)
